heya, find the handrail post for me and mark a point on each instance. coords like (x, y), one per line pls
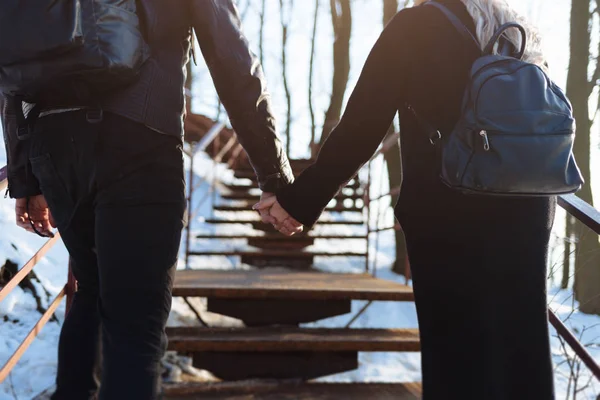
(367, 197)
(190, 197)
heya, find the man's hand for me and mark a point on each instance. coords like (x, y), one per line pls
(39, 215)
(282, 220)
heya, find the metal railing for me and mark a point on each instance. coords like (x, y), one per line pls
(14, 282)
(578, 208)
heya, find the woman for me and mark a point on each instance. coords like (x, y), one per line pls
(478, 263)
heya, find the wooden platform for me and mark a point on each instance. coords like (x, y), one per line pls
(273, 339)
(277, 254)
(276, 285)
(248, 207)
(240, 186)
(256, 197)
(254, 221)
(279, 237)
(294, 391)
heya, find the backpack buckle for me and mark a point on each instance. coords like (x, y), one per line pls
(23, 132)
(94, 115)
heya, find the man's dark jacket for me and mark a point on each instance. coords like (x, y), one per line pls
(157, 99)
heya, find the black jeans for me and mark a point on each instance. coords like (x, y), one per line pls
(116, 190)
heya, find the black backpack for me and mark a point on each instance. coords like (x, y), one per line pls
(516, 132)
(68, 52)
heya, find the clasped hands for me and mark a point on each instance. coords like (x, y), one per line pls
(272, 213)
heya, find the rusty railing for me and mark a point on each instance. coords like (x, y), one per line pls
(14, 282)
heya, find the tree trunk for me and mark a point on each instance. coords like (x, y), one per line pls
(341, 17)
(261, 33)
(288, 95)
(311, 109)
(587, 260)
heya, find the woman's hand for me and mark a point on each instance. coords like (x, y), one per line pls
(271, 212)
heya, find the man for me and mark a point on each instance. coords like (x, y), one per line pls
(111, 179)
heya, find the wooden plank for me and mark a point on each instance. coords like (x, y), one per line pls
(246, 221)
(274, 339)
(279, 237)
(248, 207)
(239, 186)
(283, 254)
(256, 197)
(23, 272)
(14, 359)
(276, 390)
(269, 284)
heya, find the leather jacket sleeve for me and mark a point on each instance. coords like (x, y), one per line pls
(21, 182)
(240, 83)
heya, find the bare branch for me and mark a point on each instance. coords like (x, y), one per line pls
(313, 125)
(284, 41)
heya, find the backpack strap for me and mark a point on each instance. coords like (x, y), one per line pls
(434, 134)
(458, 24)
(499, 35)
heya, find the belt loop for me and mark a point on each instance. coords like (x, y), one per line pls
(94, 115)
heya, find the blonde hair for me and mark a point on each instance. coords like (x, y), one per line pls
(489, 15)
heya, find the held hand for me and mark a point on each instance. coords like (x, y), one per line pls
(284, 222)
(39, 215)
(268, 199)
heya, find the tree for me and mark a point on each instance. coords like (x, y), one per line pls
(580, 88)
(341, 18)
(285, 24)
(311, 109)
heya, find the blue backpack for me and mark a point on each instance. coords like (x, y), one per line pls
(516, 132)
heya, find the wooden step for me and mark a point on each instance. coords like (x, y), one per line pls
(256, 197)
(282, 254)
(217, 221)
(279, 285)
(248, 207)
(354, 184)
(274, 390)
(274, 339)
(279, 237)
(285, 352)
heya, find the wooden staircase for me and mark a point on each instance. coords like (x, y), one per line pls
(273, 249)
(274, 356)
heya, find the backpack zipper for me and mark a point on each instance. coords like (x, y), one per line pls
(486, 141)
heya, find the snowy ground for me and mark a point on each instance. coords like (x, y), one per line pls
(36, 370)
